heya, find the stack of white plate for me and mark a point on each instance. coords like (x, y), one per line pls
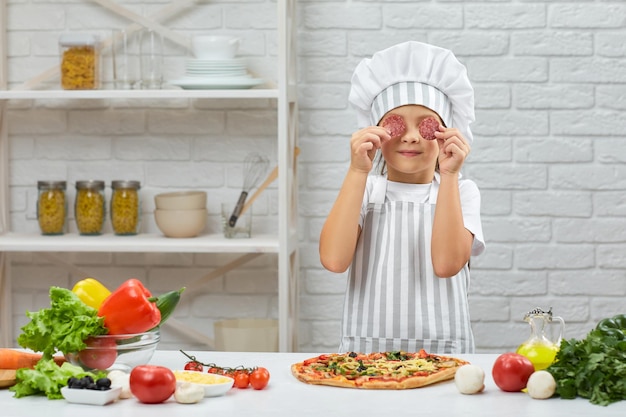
(216, 74)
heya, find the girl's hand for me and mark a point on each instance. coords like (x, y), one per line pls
(364, 144)
(453, 149)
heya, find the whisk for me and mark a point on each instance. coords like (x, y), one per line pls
(254, 167)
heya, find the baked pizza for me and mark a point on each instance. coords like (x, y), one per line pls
(380, 370)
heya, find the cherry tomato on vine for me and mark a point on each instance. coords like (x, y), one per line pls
(259, 378)
(193, 366)
(242, 379)
(215, 370)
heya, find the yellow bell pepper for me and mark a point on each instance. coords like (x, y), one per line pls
(91, 292)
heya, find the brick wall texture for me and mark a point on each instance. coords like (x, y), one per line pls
(548, 156)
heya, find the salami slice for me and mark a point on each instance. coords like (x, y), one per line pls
(395, 125)
(428, 127)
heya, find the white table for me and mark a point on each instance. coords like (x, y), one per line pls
(286, 396)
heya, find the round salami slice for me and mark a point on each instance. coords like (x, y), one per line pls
(395, 125)
(428, 127)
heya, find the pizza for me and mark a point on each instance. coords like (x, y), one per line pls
(380, 370)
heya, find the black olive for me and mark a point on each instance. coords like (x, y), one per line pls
(103, 383)
(353, 354)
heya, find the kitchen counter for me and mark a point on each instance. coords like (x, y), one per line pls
(286, 396)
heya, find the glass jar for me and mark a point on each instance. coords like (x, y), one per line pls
(125, 207)
(79, 61)
(89, 208)
(51, 207)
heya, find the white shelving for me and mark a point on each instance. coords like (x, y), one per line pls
(284, 243)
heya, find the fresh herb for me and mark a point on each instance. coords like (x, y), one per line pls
(593, 368)
(63, 327)
(47, 378)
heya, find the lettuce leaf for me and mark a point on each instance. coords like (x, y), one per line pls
(47, 378)
(62, 327)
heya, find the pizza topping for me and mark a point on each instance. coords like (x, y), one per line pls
(395, 125)
(428, 127)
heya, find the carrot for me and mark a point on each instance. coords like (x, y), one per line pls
(16, 359)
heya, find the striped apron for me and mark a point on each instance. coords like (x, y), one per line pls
(393, 300)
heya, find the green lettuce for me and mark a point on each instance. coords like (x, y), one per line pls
(62, 327)
(47, 378)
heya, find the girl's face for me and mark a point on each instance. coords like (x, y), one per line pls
(409, 157)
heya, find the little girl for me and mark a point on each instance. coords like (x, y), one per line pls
(407, 233)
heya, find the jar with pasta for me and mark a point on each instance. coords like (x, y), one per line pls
(79, 61)
(89, 207)
(125, 207)
(51, 207)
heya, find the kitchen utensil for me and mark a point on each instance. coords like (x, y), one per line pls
(270, 179)
(7, 378)
(539, 348)
(243, 229)
(254, 166)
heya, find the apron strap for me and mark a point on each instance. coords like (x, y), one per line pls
(379, 190)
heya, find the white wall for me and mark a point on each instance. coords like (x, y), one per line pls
(548, 153)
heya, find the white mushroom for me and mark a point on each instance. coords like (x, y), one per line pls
(470, 379)
(541, 385)
(188, 393)
(121, 379)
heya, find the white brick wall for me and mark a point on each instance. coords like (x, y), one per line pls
(548, 155)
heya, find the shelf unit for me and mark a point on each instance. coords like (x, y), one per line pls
(284, 244)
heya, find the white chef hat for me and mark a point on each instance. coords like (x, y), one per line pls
(413, 73)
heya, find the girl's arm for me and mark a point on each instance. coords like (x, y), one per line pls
(451, 243)
(341, 230)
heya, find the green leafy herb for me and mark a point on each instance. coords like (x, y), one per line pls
(593, 368)
(63, 327)
(47, 378)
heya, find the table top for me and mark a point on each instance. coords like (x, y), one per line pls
(286, 396)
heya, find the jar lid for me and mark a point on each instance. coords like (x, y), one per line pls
(77, 39)
(51, 184)
(97, 184)
(125, 184)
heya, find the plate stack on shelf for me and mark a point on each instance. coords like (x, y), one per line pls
(216, 74)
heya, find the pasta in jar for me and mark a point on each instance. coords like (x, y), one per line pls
(51, 207)
(125, 207)
(89, 207)
(79, 62)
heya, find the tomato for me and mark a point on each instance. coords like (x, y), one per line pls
(242, 379)
(101, 353)
(259, 378)
(152, 384)
(193, 366)
(511, 371)
(216, 370)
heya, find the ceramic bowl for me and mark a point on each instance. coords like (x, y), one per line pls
(122, 351)
(214, 47)
(214, 385)
(91, 397)
(180, 200)
(181, 223)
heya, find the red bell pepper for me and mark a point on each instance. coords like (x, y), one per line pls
(130, 309)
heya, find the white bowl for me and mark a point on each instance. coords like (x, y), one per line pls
(214, 385)
(180, 200)
(214, 47)
(91, 396)
(181, 223)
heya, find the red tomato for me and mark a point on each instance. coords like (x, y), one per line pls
(259, 378)
(215, 370)
(511, 371)
(242, 379)
(101, 354)
(152, 384)
(193, 366)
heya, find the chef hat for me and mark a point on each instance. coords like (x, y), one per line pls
(413, 73)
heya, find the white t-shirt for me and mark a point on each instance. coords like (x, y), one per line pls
(419, 193)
